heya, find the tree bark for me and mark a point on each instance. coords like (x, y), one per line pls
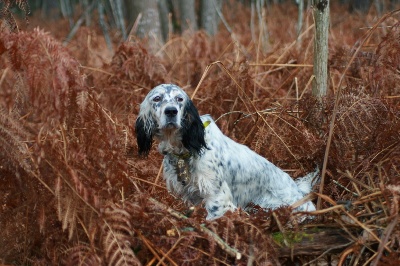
(187, 15)
(300, 16)
(149, 22)
(362, 6)
(165, 12)
(209, 16)
(321, 17)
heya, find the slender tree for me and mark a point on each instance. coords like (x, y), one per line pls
(321, 17)
(300, 16)
(320, 85)
(187, 14)
(148, 22)
(164, 9)
(209, 16)
(360, 5)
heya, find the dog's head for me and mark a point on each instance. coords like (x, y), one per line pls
(168, 111)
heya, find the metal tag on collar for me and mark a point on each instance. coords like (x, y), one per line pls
(183, 171)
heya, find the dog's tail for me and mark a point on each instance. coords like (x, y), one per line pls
(307, 182)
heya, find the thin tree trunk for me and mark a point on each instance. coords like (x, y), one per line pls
(116, 8)
(165, 12)
(360, 5)
(149, 23)
(321, 16)
(209, 16)
(188, 15)
(300, 16)
(320, 83)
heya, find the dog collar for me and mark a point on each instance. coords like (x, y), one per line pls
(182, 164)
(187, 155)
(183, 156)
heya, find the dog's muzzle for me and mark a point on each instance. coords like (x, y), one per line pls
(170, 117)
(170, 112)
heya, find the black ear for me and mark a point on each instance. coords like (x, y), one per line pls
(144, 137)
(193, 130)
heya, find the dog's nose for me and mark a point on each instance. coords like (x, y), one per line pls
(170, 111)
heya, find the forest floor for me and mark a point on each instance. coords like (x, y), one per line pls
(75, 192)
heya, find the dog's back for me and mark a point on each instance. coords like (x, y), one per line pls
(250, 177)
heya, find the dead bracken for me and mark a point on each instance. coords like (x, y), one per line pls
(74, 192)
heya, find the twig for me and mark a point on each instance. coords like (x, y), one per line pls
(207, 254)
(135, 25)
(221, 243)
(280, 228)
(345, 188)
(327, 252)
(78, 23)
(385, 239)
(282, 65)
(287, 49)
(4, 75)
(72, 173)
(146, 181)
(147, 244)
(344, 255)
(158, 175)
(169, 251)
(219, 63)
(103, 25)
(229, 29)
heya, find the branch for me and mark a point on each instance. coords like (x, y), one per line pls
(221, 243)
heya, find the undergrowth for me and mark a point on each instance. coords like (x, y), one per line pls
(74, 191)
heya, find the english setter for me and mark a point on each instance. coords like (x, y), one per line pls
(201, 164)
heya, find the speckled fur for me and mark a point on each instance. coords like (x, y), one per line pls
(224, 174)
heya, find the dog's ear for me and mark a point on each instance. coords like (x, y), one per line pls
(193, 130)
(144, 136)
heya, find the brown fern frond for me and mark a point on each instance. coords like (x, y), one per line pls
(82, 255)
(385, 75)
(13, 141)
(7, 15)
(116, 236)
(48, 72)
(363, 128)
(133, 70)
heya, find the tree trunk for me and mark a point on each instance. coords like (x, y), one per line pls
(116, 8)
(300, 16)
(148, 25)
(360, 5)
(187, 15)
(165, 12)
(321, 17)
(209, 16)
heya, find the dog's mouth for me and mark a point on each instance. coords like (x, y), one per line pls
(171, 125)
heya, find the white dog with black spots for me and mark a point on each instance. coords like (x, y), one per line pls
(202, 165)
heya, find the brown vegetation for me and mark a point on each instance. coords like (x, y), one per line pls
(73, 190)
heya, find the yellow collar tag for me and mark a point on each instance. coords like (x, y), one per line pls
(206, 123)
(186, 156)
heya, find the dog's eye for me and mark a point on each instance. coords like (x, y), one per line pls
(179, 99)
(157, 99)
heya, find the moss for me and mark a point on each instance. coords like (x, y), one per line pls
(291, 238)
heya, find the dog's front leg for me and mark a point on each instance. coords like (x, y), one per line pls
(219, 202)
